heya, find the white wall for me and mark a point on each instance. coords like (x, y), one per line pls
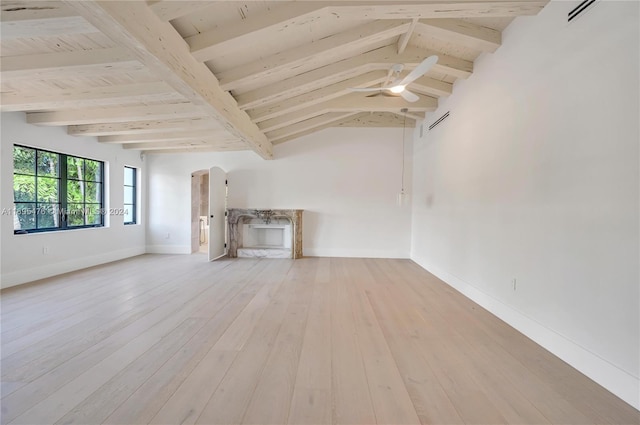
(346, 180)
(22, 255)
(535, 176)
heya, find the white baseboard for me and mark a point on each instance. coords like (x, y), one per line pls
(354, 253)
(168, 249)
(34, 273)
(611, 377)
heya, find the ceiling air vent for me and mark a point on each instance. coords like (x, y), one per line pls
(579, 9)
(438, 121)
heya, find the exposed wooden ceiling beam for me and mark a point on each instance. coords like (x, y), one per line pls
(462, 32)
(225, 39)
(441, 9)
(115, 114)
(313, 55)
(309, 124)
(158, 45)
(355, 102)
(23, 19)
(413, 116)
(379, 119)
(209, 144)
(29, 10)
(168, 10)
(222, 40)
(316, 96)
(404, 38)
(88, 97)
(363, 119)
(142, 127)
(193, 149)
(313, 130)
(65, 64)
(431, 87)
(379, 59)
(220, 135)
(171, 9)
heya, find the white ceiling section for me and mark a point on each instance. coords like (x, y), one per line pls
(173, 76)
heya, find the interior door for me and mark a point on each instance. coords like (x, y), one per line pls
(217, 208)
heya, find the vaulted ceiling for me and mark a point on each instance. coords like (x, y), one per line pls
(172, 76)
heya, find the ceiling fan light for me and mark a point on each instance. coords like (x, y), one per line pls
(396, 89)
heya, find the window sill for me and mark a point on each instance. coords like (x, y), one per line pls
(49, 231)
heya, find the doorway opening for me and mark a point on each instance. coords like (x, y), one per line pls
(200, 211)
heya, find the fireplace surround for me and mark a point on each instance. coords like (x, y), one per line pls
(273, 233)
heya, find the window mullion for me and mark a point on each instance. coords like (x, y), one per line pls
(35, 176)
(63, 192)
(134, 201)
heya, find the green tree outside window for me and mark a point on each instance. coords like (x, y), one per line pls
(54, 191)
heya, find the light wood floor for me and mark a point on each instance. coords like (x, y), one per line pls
(174, 339)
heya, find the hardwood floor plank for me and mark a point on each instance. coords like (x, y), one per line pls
(56, 321)
(191, 397)
(39, 357)
(93, 289)
(271, 400)
(229, 402)
(51, 409)
(310, 341)
(430, 401)
(31, 363)
(7, 387)
(18, 297)
(98, 406)
(310, 406)
(311, 400)
(240, 330)
(110, 396)
(151, 326)
(349, 386)
(391, 401)
(180, 390)
(486, 334)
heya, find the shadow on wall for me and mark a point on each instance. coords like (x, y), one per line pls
(243, 188)
(310, 229)
(266, 187)
(300, 147)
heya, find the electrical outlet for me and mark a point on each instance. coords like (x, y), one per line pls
(45, 250)
(514, 283)
(168, 235)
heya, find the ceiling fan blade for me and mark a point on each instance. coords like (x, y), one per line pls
(409, 97)
(365, 89)
(419, 70)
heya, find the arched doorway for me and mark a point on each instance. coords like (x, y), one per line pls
(200, 211)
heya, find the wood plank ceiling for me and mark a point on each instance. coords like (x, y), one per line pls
(172, 76)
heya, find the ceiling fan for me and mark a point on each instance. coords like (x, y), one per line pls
(398, 86)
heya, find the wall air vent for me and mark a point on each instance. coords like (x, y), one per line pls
(579, 9)
(438, 121)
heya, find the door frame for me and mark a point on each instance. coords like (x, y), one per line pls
(217, 213)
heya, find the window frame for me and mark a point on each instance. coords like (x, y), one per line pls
(134, 204)
(63, 202)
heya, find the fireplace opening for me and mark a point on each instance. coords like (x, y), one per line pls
(265, 233)
(266, 240)
(270, 235)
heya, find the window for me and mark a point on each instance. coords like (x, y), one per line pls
(55, 191)
(130, 195)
